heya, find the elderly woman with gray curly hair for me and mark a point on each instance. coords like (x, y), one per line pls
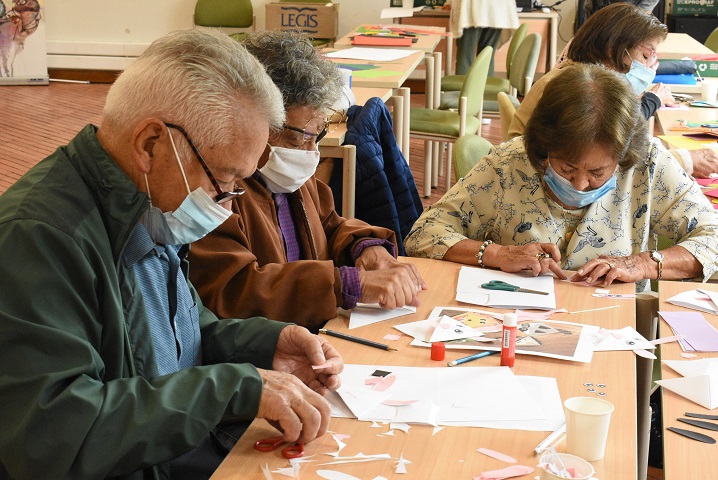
(584, 189)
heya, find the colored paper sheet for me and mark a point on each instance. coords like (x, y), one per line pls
(698, 334)
(357, 66)
(372, 54)
(680, 141)
(376, 73)
(696, 300)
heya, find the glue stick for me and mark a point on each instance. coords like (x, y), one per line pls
(508, 340)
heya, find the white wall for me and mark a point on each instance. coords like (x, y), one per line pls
(107, 34)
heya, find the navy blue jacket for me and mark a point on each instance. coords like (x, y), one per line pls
(386, 193)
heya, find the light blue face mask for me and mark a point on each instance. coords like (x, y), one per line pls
(567, 193)
(639, 76)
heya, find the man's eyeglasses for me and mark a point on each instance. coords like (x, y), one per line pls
(222, 196)
(336, 117)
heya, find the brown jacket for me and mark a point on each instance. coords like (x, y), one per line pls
(241, 269)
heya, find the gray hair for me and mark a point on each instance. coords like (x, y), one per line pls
(304, 76)
(199, 79)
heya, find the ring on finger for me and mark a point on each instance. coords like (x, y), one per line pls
(543, 255)
(611, 265)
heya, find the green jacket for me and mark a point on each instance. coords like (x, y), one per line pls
(75, 399)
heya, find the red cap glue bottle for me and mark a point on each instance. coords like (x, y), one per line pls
(508, 340)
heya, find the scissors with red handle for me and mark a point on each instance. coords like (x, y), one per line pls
(293, 450)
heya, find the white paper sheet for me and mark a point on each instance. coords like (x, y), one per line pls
(372, 54)
(699, 383)
(626, 338)
(469, 290)
(368, 313)
(423, 330)
(398, 12)
(695, 300)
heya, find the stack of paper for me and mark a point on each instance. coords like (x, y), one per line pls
(469, 290)
(703, 300)
(367, 313)
(699, 383)
(698, 335)
(491, 397)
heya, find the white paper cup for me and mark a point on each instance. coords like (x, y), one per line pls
(582, 469)
(587, 421)
(709, 90)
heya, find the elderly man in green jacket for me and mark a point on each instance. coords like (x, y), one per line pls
(110, 366)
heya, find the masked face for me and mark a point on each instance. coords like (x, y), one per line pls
(197, 215)
(642, 72)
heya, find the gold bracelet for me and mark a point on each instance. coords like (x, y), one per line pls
(480, 255)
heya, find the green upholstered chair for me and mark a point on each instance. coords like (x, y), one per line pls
(446, 126)
(507, 109)
(494, 85)
(712, 40)
(467, 151)
(225, 14)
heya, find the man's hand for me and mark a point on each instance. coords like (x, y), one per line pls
(390, 288)
(705, 162)
(378, 258)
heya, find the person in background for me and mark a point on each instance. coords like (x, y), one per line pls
(285, 253)
(624, 38)
(476, 24)
(584, 189)
(111, 366)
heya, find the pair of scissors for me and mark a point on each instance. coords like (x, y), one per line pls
(293, 450)
(499, 285)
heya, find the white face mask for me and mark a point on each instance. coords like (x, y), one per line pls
(288, 169)
(196, 216)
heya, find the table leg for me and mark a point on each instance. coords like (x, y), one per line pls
(398, 116)
(406, 92)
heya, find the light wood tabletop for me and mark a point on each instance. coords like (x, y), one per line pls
(387, 74)
(425, 42)
(669, 118)
(451, 453)
(683, 458)
(680, 45)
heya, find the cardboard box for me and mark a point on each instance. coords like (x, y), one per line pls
(707, 68)
(695, 7)
(315, 20)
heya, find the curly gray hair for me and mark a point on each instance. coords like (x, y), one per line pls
(303, 75)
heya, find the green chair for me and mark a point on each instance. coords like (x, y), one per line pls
(447, 126)
(467, 151)
(712, 40)
(523, 69)
(452, 83)
(225, 14)
(507, 109)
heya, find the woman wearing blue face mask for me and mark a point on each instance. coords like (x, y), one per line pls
(623, 38)
(585, 189)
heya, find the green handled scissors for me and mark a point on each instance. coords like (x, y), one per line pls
(499, 285)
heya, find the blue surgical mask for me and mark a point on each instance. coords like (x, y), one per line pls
(196, 216)
(639, 76)
(567, 193)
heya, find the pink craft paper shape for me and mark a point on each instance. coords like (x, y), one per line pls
(398, 403)
(386, 382)
(323, 365)
(711, 193)
(373, 380)
(508, 472)
(666, 339)
(391, 336)
(497, 455)
(688, 355)
(644, 353)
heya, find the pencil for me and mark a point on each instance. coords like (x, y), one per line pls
(352, 338)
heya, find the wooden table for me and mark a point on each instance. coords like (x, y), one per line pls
(332, 145)
(683, 458)
(668, 118)
(450, 454)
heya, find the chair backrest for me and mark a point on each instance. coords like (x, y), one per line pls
(712, 40)
(468, 150)
(506, 113)
(523, 65)
(223, 13)
(475, 82)
(516, 40)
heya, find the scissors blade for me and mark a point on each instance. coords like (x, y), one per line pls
(527, 290)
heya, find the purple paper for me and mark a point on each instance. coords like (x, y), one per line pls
(698, 334)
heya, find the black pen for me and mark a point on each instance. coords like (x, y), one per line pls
(472, 357)
(352, 338)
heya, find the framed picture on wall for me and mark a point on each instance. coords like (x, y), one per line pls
(23, 52)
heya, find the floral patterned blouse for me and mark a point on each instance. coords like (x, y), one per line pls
(503, 199)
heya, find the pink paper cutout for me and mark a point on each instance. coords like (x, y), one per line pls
(341, 436)
(617, 335)
(644, 353)
(372, 380)
(391, 336)
(688, 355)
(497, 455)
(386, 382)
(489, 328)
(666, 339)
(508, 472)
(323, 365)
(398, 403)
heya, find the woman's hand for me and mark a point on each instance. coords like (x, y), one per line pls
(604, 270)
(540, 258)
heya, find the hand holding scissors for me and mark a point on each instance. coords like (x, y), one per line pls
(499, 285)
(293, 450)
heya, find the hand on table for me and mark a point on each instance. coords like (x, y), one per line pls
(540, 258)
(378, 258)
(390, 287)
(705, 162)
(604, 270)
(664, 93)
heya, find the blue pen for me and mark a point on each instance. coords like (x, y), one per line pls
(471, 357)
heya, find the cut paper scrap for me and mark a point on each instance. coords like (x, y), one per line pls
(392, 337)
(699, 382)
(694, 299)
(674, 338)
(508, 472)
(404, 427)
(372, 54)
(323, 365)
(698, 334)
(436, 430)
(618, 296)
(340, 445)
(359, 458)
(644, 353)
(448, 329)
(401, 464)
(524, 315)
(291, 471)
(335, 475)
(688, 355)
(369, 313)
(398, 403)
(385, 383)
(372, 380)
(266, 472)
(497, 455)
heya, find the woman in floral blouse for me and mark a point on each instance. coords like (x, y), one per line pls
(584, 189)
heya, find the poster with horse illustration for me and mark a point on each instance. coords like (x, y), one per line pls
(23, 52)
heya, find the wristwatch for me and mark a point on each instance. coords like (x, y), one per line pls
(657, 257)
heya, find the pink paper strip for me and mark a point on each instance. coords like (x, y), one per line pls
(497, 455)
(398, 403)
(644, 353)
(666, 339)
(372, 380)
(323, 365)
(688, 355)
(508, 472)
(387, 382)
(391, 336)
